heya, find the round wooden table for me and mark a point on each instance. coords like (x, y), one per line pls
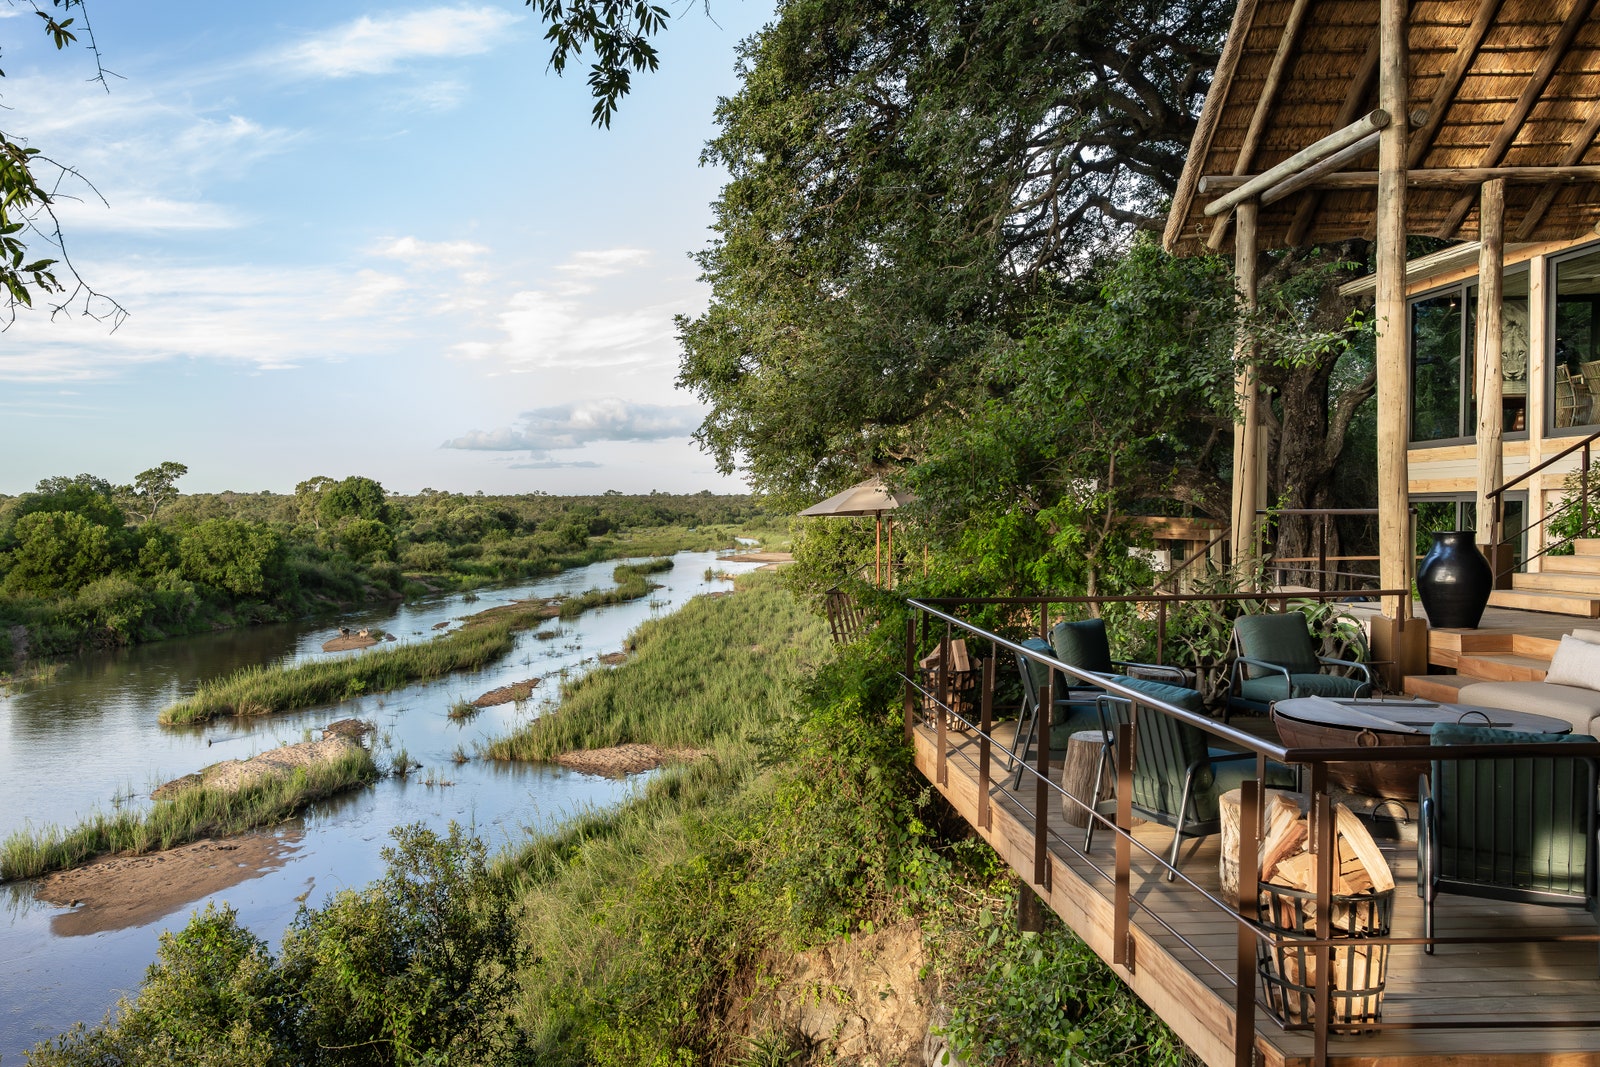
(1387, 723)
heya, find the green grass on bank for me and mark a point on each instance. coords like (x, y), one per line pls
(484, 638)
(710, 672)
(188, 815)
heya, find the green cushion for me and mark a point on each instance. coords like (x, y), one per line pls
(1462, 733)
(1284, 639)
(1083, 644)
(1187, 699)
(1267, 689)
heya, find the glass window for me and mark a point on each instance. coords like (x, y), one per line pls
(1513, 356)
(1575, 367)
(1436, 368)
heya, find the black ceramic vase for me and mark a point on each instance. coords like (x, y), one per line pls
(1454, 581)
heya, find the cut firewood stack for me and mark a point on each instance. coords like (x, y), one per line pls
(1286, 859)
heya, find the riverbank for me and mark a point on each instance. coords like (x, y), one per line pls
(480, 641)
(229, 798)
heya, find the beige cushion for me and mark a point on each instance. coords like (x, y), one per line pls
(1589, 636)
(1576, 662)
(1580, 707)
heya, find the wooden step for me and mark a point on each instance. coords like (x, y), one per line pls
(1558, 582)
(1536, 647)
(1505, 668)
(1445, 688)
(1570, 564)
(1555, 603)
(1587, 546)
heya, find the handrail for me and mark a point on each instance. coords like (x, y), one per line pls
(1496, 497)
(1563, 454)
(1125, 897)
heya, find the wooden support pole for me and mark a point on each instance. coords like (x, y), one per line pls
(985, 745)
(1394, 381)
(1491, 297)
(1041, 785)
(1247, 428)
(877, 558)
(1244, 1001)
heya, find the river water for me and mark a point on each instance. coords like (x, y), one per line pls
(89, 740)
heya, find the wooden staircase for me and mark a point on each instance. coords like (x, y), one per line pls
(1481, 656)
(1567, 585)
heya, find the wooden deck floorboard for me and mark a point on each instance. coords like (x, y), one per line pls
(1543, 984)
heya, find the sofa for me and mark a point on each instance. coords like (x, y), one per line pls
(1570, 691)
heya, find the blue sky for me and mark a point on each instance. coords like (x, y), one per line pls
(369, 239)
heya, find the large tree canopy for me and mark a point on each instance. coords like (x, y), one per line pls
(906, 180)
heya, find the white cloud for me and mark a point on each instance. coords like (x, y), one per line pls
(604, 263)
(137, 213)
(433, 253)
(377, 45)
(572, 426)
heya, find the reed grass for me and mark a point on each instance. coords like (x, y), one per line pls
(187, 815)
(631, 585)
(714, 672)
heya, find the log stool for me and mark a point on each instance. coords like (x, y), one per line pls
(1077, 775)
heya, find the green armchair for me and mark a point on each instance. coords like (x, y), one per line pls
(1178, 779)
(1518, 828)
(1274, 659)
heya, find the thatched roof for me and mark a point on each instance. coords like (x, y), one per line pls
(1492, 83)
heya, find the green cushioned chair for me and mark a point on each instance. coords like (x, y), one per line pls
(1082, 644)
(1274, 659)
(1074, 707)
(1516, 828)
(1178, 779)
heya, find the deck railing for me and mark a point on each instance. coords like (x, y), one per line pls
(935, 622)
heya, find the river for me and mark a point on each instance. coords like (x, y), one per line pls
(89, 739)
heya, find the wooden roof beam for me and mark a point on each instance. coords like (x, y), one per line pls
(1553, 55)
(1433, 178)
(1445, 93)
(1287, 41)
(1573, 156)
(1355, 101)
(1312, 154)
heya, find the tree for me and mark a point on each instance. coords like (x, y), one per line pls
(158, 486)
(57, 553)
(241, 558)
(84, 494)
(906, 180)
(354, 497)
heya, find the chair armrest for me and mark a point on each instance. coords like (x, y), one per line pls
(1177, 673)
(1366, 672)
(1280, 668)
(1232, 756)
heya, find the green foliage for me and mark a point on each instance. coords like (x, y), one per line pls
(1045, 998)
(158, 486)
(56, 551)
(366, 539)
(354, 497)
(416, 969)
(237, 557)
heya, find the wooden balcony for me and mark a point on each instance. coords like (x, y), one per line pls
(1509, 984)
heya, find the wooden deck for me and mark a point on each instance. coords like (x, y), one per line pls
(1544, 985)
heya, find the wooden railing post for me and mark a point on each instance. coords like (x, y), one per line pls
(985, 723)
(1124, 897)
(1244, 971)
(911, 673)
(1327, 856)
(1583, 491)
(1041, 785)
(942, 712)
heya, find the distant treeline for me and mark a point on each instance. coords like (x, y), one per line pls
(84, 562)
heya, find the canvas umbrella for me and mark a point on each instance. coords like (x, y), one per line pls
(870, 497)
